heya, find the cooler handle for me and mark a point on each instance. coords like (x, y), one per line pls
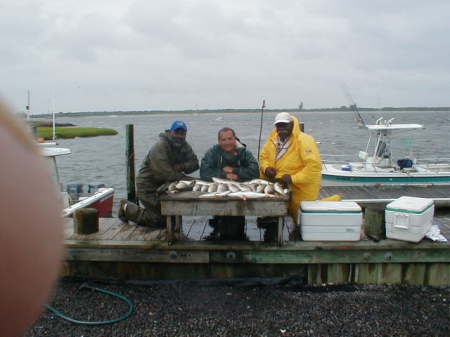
(402, 221)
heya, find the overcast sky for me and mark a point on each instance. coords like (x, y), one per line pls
(95, 55)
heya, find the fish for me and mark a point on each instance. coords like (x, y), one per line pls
(197, 188)
(253, 186)
(246, 188)
(233, 188)
(222, 188)
(279, 189)
(208, 195)
(269, 189)
(250, 195)
(258, 181)
(214, 194)
(212, 187)
(181, 185)
(204, 188)
(260, 188)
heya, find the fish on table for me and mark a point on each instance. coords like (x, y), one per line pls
(220, 188)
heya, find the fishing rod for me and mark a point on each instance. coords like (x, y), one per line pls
(352, 105)
(261, 125)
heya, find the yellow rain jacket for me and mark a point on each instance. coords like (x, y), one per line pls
(301, 161)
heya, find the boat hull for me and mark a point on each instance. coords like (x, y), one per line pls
(335, 177)
(102, 200)
(330, 179)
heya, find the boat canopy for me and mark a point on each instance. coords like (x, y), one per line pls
(381, 127)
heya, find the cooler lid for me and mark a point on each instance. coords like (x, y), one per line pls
(330, 206)
(409, 204)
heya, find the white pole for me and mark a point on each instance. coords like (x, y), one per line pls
(53, 118)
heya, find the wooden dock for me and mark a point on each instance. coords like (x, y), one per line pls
(126, 251)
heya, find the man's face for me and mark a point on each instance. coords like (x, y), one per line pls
(284, 130)
(178, 136)
(227, 141)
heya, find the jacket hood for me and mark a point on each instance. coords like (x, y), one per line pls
(295, 130)
(165, 136)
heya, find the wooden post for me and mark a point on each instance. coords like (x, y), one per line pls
(85, 221)
(374, 224)
(129, 154)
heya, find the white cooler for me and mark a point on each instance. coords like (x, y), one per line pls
(409, 218)
(330, 221)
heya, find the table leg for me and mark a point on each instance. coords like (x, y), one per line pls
(178, 225)
(169, 231)
(280, 230)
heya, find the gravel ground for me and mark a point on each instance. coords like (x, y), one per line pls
(249, 308)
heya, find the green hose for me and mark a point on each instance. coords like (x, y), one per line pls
(70, 319)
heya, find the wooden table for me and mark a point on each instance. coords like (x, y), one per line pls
(189, 204)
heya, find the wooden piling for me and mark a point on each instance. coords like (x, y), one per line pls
(85, 221)
(374, 223)
(129, 154)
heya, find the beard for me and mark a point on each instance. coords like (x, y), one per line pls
(177, 142)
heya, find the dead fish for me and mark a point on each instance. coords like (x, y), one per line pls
(197, 188)
(233, 188)
(204, 188)
(259, 181)
(250, 195)
(208, 195)
(260, 188)
(188, 183)
(171, 188)
(268, 189)
(253, 186)
(246, 188)
(278, 188)
(212, 187)
(222, 188)
(181, 185)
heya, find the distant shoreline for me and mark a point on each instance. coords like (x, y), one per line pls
(201, 111)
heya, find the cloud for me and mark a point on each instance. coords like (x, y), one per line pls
(106, 55)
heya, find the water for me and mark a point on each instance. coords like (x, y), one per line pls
(102, 159)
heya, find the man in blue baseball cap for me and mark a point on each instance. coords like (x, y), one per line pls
(170, 159)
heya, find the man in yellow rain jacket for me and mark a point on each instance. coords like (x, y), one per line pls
(293, 157)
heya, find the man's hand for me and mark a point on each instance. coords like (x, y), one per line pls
(179, 167)
(286, 179)
(270, 172)
(228, 169)
(232, 176)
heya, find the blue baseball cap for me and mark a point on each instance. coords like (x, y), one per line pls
(178, 125)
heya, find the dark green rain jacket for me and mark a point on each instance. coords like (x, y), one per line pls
(215, 159)
(158, 166)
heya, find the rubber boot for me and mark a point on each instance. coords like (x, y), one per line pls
(121, 214)
(131, 212)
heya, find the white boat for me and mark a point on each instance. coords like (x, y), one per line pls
(376, 165)
(100, 198)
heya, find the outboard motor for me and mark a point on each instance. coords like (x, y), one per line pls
(74, 190)
(405, 163)
(93, 187)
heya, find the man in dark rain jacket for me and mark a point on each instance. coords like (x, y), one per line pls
(228, 160)
(170, 159)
